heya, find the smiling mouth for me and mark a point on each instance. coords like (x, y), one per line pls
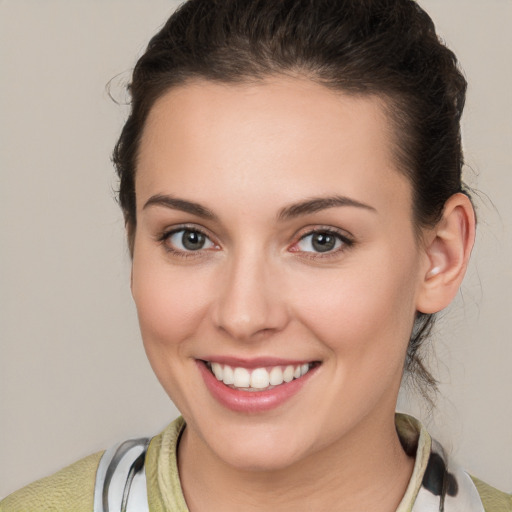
(258, 379)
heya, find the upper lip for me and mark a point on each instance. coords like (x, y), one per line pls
(256, 362)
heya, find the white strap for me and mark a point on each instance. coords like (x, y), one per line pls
(466, 500)
(461, 494)
(121, 479)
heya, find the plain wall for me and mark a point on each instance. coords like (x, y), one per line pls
(73, 373)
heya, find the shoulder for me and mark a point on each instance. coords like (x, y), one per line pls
(493, 499)
(438, 481)
(72, 488)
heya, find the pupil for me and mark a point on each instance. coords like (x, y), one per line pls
(192, 240)
(323, 242)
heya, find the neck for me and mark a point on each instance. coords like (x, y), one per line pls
(366, 470)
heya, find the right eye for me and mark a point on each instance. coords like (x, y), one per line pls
(321, 242)
(187, 240)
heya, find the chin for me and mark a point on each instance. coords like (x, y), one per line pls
(263, 447)
(258, 458)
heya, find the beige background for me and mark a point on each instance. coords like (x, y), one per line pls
(73, 374)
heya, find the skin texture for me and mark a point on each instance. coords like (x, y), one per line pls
(258, 288)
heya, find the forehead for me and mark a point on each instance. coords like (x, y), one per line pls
(284, 136)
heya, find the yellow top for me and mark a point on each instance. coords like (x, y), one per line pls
(72, 488)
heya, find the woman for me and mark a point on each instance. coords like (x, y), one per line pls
(290, 180)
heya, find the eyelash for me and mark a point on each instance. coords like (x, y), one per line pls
(166, 235)
(346, 242)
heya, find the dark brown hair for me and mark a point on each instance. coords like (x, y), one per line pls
(387, 48)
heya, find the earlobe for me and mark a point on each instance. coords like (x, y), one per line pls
(447, 255)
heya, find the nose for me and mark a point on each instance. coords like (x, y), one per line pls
(250, 303)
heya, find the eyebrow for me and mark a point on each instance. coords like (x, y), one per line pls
(180, 204)
(294, 210)
(317, 204)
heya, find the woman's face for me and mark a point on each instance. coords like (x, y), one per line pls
(274, 241)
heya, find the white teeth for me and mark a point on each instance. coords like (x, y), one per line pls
(259, 378)
(288, 373)
(276, 376)
(217, 370)
(241, 378)
(229, 377)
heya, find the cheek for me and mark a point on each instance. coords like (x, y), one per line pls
(170, 302)
(364, 310)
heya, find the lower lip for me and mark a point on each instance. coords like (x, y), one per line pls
(251, 401)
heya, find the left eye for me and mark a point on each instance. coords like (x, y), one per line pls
(320, 241)
(189, 240)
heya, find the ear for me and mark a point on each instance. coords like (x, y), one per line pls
(447, 249)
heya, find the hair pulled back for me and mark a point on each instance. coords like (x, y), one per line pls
(387, 48)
